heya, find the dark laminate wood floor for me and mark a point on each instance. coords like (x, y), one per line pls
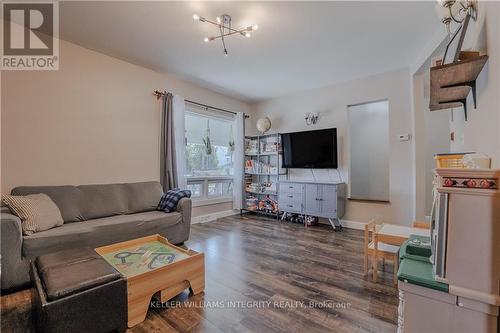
(266, 276)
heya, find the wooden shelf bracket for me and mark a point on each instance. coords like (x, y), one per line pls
(452, 83)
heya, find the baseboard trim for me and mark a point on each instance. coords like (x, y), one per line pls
(353, 224)
(346, 224)
(218, 215)
(213, 216)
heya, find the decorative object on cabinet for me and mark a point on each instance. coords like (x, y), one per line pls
(451, 83)
(449, 160)
(476, 161)
(263, 125)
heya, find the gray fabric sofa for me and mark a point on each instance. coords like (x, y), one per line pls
(94, 215)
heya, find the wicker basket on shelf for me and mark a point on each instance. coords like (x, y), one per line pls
(449, 161)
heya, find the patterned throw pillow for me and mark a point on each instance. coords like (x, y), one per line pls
(168, 202)
(37, 212)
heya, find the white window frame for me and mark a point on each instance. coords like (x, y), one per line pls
(205, 199)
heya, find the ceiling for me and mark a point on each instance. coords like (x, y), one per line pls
(298, 46)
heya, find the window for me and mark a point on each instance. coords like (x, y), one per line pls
(196, 189)
(209, 155)
(220, 188)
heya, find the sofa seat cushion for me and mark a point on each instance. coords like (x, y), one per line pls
(68, 272)
(99, 232)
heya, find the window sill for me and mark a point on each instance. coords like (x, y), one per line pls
(211, 201)
(201, 178)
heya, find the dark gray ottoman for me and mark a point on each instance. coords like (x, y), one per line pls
(78, 291)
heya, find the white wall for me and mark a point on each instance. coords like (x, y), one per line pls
(436, 141)
(94, 120)
(432, 136)
(481, 132)
(287, 115)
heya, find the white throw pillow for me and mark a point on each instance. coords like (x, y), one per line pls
(37, 212)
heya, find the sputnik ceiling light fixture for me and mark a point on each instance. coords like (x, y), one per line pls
(223, 23)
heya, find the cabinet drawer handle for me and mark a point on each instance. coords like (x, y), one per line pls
(290, 186)
(317, 199)
(320, 199)
(290, 196)
(289, 206)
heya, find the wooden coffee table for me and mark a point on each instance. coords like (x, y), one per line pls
(151, 265)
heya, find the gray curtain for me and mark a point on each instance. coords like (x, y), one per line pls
(168, 177)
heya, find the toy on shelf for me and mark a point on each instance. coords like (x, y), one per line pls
(252, 203)
(268, 205)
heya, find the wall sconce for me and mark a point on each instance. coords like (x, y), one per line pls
(311, 118)
(456, 11)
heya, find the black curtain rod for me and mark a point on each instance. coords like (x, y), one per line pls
(159, 94)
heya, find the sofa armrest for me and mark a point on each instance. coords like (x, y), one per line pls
(184, 207)
(15, 271)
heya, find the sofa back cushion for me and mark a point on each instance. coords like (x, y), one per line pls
(68, 198)
(143, 197)
(103, 200)
(85, 202)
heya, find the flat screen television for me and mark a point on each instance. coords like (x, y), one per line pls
(310, 149)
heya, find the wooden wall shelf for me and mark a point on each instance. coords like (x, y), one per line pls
(452, 83)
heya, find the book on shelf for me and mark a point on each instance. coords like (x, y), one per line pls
(251, 146)
(270, 144)
(264, 188)
(267, 145)
(257, 167)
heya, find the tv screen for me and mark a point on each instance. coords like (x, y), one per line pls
(310, 149)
